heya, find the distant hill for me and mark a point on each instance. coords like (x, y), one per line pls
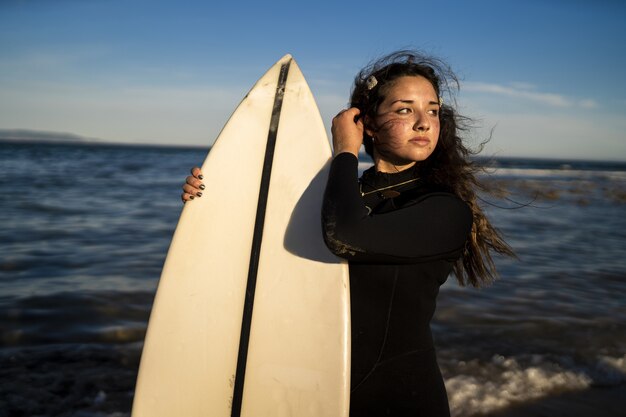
(25, 135)
(43, 137)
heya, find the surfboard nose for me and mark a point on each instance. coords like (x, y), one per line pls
(285, 58)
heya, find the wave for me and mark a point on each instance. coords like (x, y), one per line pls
(557, 173)
(89, 317)
(478, 387)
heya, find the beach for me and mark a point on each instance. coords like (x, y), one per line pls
(84, 230)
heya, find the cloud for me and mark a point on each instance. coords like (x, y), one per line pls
(556, 136)
(528, 92)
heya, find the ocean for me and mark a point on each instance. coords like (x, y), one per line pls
(84, 230)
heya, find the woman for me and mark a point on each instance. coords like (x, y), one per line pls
(406, 224)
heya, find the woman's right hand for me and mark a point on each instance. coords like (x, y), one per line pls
(347, 130)
(193, 185)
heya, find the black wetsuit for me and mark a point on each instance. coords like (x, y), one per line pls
(400, 248)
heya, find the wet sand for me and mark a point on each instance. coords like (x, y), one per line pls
(592, 402)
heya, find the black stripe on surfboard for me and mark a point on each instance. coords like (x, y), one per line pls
(244, 340)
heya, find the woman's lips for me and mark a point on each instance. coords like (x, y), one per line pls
(420, 141)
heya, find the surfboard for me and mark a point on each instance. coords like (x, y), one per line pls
(251, 314)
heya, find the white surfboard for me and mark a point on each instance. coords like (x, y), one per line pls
(251, 315)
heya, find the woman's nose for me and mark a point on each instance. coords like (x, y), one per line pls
(421, 123)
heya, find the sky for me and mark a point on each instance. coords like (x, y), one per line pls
(542, 78)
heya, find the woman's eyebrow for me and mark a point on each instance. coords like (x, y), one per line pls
(412, 101)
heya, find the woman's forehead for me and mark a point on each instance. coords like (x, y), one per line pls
(410, 89)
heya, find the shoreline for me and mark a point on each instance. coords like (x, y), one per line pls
(605, 401)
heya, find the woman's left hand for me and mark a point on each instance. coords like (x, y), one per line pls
(193, 185)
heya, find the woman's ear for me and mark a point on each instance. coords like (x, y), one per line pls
(367, 127)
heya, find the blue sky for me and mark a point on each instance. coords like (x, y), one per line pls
(548, 75)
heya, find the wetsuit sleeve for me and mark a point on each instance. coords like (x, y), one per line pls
(434, 226)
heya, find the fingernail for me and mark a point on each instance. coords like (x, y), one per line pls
(191, 197)
(202, 187)
(201, 177)
(199, 194)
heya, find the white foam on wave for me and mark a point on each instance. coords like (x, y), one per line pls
(610, 371)
(481, 388)
(556, 173)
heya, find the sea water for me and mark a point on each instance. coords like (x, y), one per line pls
(84, 230)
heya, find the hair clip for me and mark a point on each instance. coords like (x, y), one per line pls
(371, 82)
(440, 101)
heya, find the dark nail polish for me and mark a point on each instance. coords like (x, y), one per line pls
(201, 177)
(191, 197)
(199, 194)
(202, 187)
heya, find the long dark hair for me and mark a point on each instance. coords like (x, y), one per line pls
(450, 165)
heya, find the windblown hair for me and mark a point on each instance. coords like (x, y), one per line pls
(449, 166)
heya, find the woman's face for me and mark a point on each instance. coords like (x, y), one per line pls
(407, 124)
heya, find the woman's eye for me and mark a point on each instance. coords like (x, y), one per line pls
(404, 110)
(434, 112)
